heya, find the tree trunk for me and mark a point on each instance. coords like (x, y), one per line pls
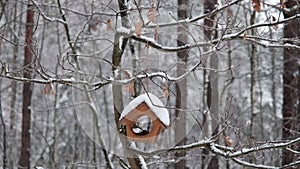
(134, 162)
(290, 82)
(180, 128)
(253, 99)
(212, 87)
(24, 161)
(13, 98)
(118, 103)
(252, 81)
(4, 142)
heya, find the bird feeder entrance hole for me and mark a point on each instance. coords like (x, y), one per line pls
(141, 122)
(143, 125)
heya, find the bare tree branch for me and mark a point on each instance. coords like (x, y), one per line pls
(239, 36)
(96, 85)
(50, 19)
(192, 20)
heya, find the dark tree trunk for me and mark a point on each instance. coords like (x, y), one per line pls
(4, 142)
(291, 82)
(180, 128)
(212, 87)
(24, 161)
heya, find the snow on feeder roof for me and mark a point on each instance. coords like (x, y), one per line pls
(155, 105)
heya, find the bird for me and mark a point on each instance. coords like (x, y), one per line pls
(138, 130)
(122, 130)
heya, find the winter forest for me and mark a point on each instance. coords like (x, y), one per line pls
(211, 84)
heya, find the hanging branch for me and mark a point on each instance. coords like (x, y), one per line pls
(226, 152)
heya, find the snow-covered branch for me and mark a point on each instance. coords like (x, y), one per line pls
(76, 12)
(235, 154)
(226, 152)
(233, 36)
(149, 75)
(261, 166)
(247, 164)
(66, 81)
(47, 18)
(267, 24)
(245, 151)
(192, 20)
(296, 163)
(5, 73)
(200, 144)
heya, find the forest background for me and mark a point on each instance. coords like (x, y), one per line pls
(226, 70)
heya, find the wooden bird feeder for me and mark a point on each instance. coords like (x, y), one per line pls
(144, 118)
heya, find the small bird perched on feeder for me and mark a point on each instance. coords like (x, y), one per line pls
(142, 126)
(138, 130)
(123, 130)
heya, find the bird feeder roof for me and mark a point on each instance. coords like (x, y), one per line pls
(155, 105)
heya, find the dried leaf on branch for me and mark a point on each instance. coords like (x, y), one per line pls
(130, 88)
(228, 141)
(275, 27)
(108, 25)
(138, 28)
(45, 91)
(151, 14)
(283, 3)
(166, 90)
(256, 5)
(229, 13)
(156, 33)
(52, 92)
(245, 35)
(93, 24)
(127, 74)
(48, 88)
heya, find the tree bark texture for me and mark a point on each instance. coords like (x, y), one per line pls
(24, 161)
(291, 81)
